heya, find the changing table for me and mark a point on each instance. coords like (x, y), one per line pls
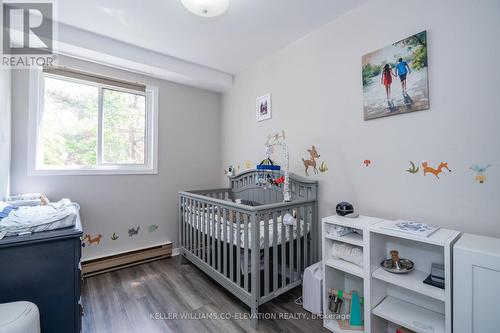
(44, 268)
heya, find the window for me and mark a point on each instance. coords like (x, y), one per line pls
(86, 124)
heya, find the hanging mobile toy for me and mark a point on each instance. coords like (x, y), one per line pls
(279, 180)
(269, 172)
(267, 169)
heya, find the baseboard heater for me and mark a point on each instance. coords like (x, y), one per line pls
(127, 259)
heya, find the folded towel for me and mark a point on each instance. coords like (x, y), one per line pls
(347, 252)
(338, 230)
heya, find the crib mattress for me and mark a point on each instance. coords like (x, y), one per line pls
(239, 239)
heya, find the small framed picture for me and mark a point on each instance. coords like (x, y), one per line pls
(263, 107)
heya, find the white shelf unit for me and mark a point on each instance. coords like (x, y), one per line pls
(343, 275)
(404, 299)
(392, 300)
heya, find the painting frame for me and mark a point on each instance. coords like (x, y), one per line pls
(395, 78)
(263, 107)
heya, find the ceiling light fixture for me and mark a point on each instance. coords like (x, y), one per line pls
(206, 8)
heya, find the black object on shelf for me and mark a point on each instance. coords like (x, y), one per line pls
(434, 283)
(344, 208)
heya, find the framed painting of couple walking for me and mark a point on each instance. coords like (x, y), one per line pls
(395, 78)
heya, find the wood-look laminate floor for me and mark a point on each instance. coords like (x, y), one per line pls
(142, 298)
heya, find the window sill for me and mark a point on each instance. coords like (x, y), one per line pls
(100, 171)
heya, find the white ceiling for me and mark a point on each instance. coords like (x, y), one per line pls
(247, 32)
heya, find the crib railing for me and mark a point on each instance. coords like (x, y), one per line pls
(220, 193)
(224, 239)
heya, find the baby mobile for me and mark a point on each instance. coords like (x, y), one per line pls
(269, 172)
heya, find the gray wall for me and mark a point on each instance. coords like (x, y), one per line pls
(189, 157)
(5, 130)
(317, 98)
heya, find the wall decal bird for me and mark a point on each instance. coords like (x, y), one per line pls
(480, 177)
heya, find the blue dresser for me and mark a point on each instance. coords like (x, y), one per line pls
(44, 268)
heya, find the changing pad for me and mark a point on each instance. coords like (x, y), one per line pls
(61, 214)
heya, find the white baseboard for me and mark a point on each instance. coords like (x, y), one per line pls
(175, 252)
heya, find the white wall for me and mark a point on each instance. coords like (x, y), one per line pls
(317, 98)
(189, 158)
(5, 130)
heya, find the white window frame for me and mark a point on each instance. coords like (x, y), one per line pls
(36, 103)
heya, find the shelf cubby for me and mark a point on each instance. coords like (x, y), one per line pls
(409, 315)
(339, 279)
(412, 281)
(344, 266)
(353, 239)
